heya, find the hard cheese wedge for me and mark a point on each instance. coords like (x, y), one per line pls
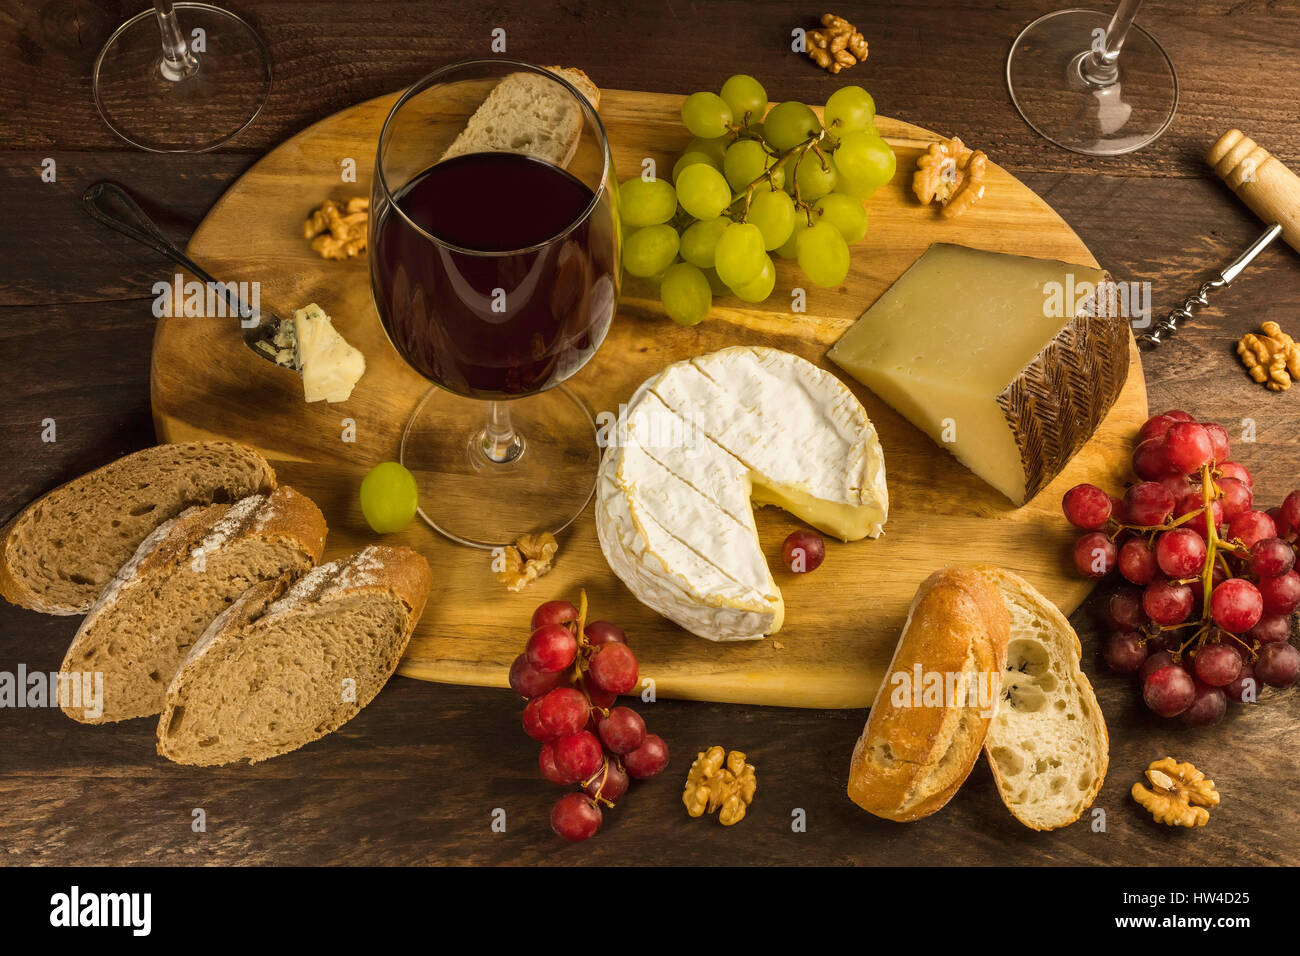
(998, 358)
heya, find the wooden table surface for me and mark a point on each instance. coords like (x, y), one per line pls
(416, 778)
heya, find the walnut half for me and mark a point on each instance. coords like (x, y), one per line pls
(1179, 794)
(1272, 357)
(520, 564)
(337, 230)
(951, 173)
(720, 781)
(838, 46)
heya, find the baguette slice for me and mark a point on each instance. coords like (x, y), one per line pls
(57, 554)
(914, 755)
(1048, 745)
(526, 113)
(183, 574)
(274, 673)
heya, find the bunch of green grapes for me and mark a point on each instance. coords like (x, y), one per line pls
(752, 183)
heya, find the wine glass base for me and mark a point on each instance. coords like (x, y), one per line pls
(1050, 88)
(154, 109)
(473, 500)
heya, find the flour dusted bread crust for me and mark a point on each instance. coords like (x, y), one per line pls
(280, 668)
(59, 553)
(1048, 746)
(527, 113)
(184, 573)
(912, 758)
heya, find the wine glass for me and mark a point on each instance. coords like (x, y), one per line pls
(495, 271)
(181, 78)
(1093, 83)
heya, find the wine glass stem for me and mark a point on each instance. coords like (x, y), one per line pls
(1102, 67)
(178, 62)
(499, 440)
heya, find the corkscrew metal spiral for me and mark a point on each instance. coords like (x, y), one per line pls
(1169, 325)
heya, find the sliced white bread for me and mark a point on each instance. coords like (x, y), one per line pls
(59, 553)
(527, 113)
(183, 575)
(275, 672)
(1048, 745)
(916, 749)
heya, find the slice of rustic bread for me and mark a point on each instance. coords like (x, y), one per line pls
(274, 673)
(527, 113)
(183, 574)
(1048, 745)
(57, 554)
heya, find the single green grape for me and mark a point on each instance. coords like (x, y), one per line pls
(845, 213)
(388, 497)
(740, 254)
(714, 148)
(790, 248)
(706, 114)
(773, 212)
(703, 191)
(813, 179)
(759, 288)
(849, 109)
(650, 250)
(745, 161)
(823, 254)
(685, 294)
(746, 97)
(689, 159)
(646, 202)
(700, 241)
(789, 124)
(865, 163)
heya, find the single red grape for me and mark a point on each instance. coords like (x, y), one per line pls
(578, 755)
(1155, 427)
(1235, 469)
(1270, 557)
(1208, 706)
(1148, 503)
(1236, 605)
(1218, 441)
(554, 612)
(1124, 609)
(1137, 562)
(1180, 553)
(1284, 531)
(613, 668)
(563, 711)
(1169, 691)
(622, 731)
(603, 632)
(1157, 660)
(551, 649)
(575, 817)
(1281, 595)
(1245, 689)
(528, 682)
(1125, 652)
(1095, 555)
(803, 551)
(1271, 629)
(1179, 485)
(599, 696)
(1187, 446)
(1149, 460)
(1217, 664)
(1117, 510)
(608, 783)
(546, 764)
(1236, 497)
(1291, 510)
(1167, 602)
(648, 759)
(1278, 665)
(532, 721)
(1252, 526)
(1086, 507)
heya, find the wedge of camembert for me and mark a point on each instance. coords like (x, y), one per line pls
(700, 444)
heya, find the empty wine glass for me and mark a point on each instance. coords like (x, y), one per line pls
(181, 78)
(1093, 83)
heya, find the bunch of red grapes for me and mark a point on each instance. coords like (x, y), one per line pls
(1189, 528)
(571, 673)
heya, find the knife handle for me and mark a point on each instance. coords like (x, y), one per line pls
(1260, 180)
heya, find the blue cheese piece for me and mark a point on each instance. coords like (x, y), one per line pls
(330, 366)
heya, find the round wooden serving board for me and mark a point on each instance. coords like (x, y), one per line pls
(842, 621)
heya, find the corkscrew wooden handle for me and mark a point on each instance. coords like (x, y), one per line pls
(1260, 179)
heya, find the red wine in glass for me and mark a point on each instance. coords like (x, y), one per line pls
(516, 292)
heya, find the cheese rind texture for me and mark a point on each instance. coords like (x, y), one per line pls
(705, 440)
(998, 358)
(330, 366)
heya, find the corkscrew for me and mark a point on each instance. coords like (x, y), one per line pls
(1270, 189)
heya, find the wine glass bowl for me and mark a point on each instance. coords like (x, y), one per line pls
(494, 268)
